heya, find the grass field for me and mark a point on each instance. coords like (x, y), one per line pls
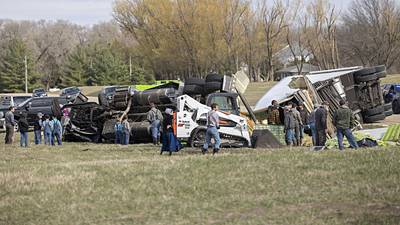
(394, 78)
(108, 184)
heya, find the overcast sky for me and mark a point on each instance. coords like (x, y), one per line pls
(84, 12)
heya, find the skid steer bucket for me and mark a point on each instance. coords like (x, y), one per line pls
(265, 139)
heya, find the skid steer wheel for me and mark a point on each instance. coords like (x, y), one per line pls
(373, 111)
(198, 138)
(374, 118)
(214, 78)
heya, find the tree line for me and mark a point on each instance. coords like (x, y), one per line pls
(158, 39)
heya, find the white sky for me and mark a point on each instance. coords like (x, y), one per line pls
(84, 12)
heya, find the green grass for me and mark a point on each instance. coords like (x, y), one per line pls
(82, 183)
(394, 78)
(256, 90)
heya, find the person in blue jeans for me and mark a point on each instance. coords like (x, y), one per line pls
(344, 120)
(118, 127)
(37, 129)
(212, 130)
(47, 130)
(290, 126)
(154, 116)
(23, 129)
(57, 131)
(126, 131)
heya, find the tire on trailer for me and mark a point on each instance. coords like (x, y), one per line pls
(195, 81)
(389, 113)
(374, 118)
(213, 77)
(192, 89)
(387, 106)
(364, 72)
(211, 87)
(380, 68)
(366, 78)
(381, 74)
(396, 106)
(373, 111)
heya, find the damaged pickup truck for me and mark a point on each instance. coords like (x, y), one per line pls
(189, 100)
(360, 87)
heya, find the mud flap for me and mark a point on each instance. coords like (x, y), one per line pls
(264, 139)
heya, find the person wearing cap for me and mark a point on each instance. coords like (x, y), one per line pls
(10, 124)
(37, 129)
(212, 130)
(154, 116)
(298, 122)
(169, 141)
(321, 126)
(47, 130)
(344, 120)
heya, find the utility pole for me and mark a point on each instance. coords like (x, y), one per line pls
(26, 74)
(130, 68)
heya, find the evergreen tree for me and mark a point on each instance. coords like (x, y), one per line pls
(12, 68)
(76, 68)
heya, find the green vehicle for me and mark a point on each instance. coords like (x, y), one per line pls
(142, 87)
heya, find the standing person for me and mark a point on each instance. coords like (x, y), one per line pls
(47, 130)
(273, 115)
(304, 121)
(321, 116)
(118, 131)
(290, 125)
(154, 116)
(37, 129)
(311, 123)
(23, 127)
(169, 141)
(298, 122)
(126, 131)
(57, 131)
(212, 129)
(344, 121)
(10, 124)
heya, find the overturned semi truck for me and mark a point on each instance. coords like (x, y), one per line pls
(190, 101)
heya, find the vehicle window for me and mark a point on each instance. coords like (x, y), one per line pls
(110, 90)
(224, 103)
(20, 99)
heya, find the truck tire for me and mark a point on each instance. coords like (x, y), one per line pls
(192, 89)
(373, 111)
(366, 78)
(374, 118)
(389, 113)
(387, 106)
(364, 72)
(213, 77)
(197, 138)
(396, 106)
(381, 74)
(380, 68)
(195, 81)
(211, 87)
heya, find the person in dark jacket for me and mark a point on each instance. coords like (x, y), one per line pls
(169, 141)
(23, 130)
(273, 116)
(37, 129)
(10, 124)
(321, 116)
(304, 121)
(311, 123)
(290, 125)
(344, 120)
(298, 122)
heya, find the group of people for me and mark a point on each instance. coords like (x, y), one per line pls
(50, 127)
(295, 120)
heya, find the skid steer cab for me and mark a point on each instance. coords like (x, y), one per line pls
(191, 120)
